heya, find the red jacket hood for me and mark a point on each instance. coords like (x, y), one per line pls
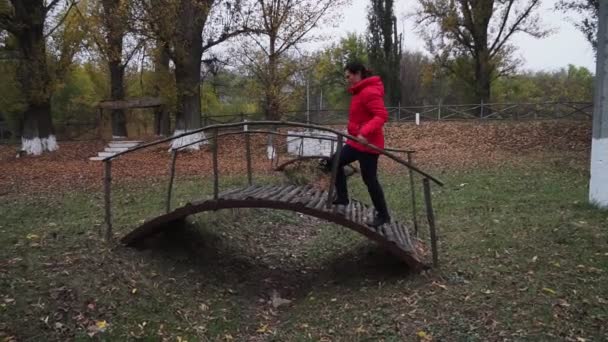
(373, 81)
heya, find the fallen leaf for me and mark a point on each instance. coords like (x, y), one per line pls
(263, 329)
(548, 290)
(32, 237)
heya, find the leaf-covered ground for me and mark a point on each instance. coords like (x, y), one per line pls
(439, 145)
(523, 257)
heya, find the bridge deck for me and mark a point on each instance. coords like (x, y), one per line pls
(308, 200)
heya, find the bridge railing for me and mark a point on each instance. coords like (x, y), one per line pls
(220, 130)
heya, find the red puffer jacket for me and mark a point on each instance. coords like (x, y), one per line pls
(367, 113)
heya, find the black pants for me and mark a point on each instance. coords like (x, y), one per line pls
(368, 162)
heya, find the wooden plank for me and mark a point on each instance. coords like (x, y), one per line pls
(320, 204)
(315, 200)
(271, 192)
(348, 211)
(243, 195)
(303, 196)
(283, 192)
(290, 195)
(254, 194)
(398, 228)
(236, 193)
(143, 102)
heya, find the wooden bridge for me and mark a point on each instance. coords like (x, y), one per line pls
(395, 237)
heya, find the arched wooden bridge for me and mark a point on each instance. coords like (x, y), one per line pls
(310, 200)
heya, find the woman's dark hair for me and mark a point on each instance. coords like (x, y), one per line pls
(358, 67)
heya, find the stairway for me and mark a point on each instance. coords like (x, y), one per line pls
(115, 147)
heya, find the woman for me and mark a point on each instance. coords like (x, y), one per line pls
(365, 121)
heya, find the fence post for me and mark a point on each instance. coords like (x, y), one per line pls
(439, 112)
(481, 111)
(399, 112)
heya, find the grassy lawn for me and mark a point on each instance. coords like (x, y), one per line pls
(523, 257)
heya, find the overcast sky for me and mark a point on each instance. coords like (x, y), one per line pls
(566, 46)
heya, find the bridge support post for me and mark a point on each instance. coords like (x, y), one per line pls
(431, 218)
(107, 181)
(248, 152)
(216, 187)
(334, 172)
(171, 177)
(413, 191)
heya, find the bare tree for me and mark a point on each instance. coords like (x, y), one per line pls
(279, 27)
(477, 31)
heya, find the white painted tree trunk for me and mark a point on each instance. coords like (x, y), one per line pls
(188, 139)
(36, 146)
(598, 187)
(598, 184)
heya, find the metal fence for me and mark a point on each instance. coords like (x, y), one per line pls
(439, 112)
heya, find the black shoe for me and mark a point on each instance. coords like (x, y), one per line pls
(340, 201)
(377, 221)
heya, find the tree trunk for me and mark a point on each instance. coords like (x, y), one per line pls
(483, 75)
(161, 69)
(189, 50)
(37, 134)
(117, 92)
(114, 22)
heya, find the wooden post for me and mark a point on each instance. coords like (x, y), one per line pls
(216, 186)
(439, 112)
(171, 177)
(414, 218)
(431, 218)
(248, 156)
(334, 172)
(107, 181)
(399, 112)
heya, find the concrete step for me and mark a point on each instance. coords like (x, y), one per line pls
(122, 144)
(105, 154)
(115, 149)
(96, 158)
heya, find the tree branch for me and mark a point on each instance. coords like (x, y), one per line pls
(515, 27)
(505, 19)
(51, 5)
(225, 36)
(74, 3)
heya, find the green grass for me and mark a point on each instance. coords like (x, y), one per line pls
(523, 257)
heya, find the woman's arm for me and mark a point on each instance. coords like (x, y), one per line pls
(374, 103)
